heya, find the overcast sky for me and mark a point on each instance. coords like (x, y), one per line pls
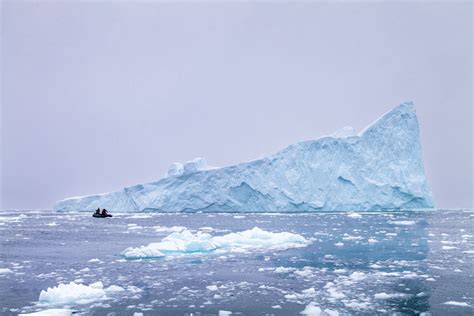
(101, 95)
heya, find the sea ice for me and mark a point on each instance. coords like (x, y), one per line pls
(187, 242)
(380, 168)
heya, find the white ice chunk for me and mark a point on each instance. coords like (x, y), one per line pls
(187, 242)
(385, 296)
(403, 223)
(52, 312)
(454, 303)
(74, 293)
(312, 309)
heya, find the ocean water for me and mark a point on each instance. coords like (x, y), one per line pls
(357, 263)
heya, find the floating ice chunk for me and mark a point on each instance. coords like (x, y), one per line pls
(224, 313)
(334, 293)
(73, 293)
(339, 244)
(372, 241)
(402, 223)
(309, 291)
(454, 303)
(52, 312)
(284, 270)
(140, 216)
(331, 312)
(312, 309)
(375, 266)
(94, 260)
(212, 288)
(187, 242)
(385, 296)
(5, 271)
(354, 215)
(357, 276)
(164, 229)
(350, 237)
(114, 288)
(449, 247)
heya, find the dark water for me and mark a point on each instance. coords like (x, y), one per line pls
(371, 263)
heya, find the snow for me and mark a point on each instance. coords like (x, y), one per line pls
(74, 293)
(186, 242)
(346, 131)
(380, 168)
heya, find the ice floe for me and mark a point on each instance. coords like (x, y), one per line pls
(186, 242)
(52, 312)
(74, 293)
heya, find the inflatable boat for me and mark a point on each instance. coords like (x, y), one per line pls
(100, 215)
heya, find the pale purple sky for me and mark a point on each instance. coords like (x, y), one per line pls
(100, 95)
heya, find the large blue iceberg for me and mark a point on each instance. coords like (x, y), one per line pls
(380, 168)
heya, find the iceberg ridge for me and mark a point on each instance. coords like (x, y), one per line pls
(380, 168)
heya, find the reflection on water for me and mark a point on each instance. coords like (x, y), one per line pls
(408, 262)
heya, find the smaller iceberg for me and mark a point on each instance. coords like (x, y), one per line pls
(186, 242)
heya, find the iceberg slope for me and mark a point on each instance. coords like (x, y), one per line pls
(380, 168)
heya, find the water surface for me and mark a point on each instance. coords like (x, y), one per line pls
(358, 263)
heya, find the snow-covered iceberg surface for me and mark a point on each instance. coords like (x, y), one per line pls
(185, 242)
(380, 168)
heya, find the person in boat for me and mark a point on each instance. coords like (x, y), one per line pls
(97, 211)
(104, 212)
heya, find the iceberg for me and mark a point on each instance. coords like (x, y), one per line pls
(379, 168)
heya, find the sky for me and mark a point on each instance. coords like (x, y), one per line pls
(98, 95)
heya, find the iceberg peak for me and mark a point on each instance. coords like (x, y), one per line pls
(380, 168)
